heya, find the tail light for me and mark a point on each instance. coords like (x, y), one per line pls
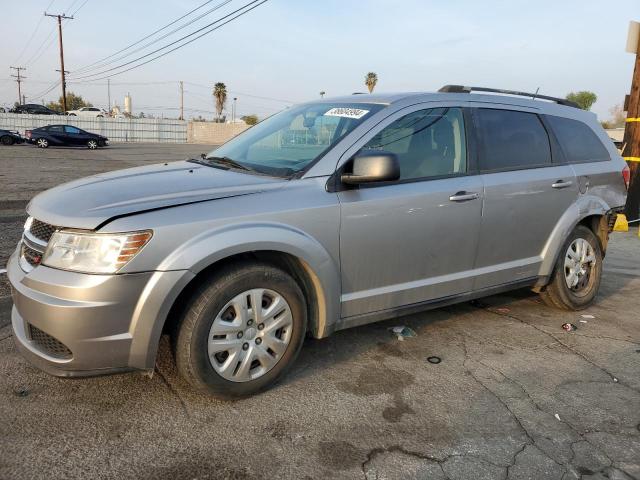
(27, 134)
(626, 175)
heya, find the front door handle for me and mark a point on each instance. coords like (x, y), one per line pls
(562, 184)
(463, 196)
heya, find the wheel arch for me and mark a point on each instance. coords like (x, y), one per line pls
(300, 256)
(589, 211)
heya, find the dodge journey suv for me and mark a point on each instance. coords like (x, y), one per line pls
(328, 215)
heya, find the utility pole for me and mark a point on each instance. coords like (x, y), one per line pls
(62, 70)
(181, 100)
(233, 110)
(19, 78)
(109, 95)
(631, 152)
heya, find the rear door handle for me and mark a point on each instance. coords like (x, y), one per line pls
(463, 196)
(561, 184)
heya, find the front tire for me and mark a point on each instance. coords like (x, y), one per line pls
(42, 143)
(92, 144)
(576, 277)
(227, 347)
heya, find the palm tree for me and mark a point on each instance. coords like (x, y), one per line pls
(371, 81)
(220, 94)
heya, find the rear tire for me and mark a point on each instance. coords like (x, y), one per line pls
(226, 347)
(42, 143)
(7, 140)
(576, 277)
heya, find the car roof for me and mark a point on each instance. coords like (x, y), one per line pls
(542, 105)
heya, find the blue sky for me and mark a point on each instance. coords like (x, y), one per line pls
(289, 50)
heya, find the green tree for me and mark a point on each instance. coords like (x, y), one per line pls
(220, 95)
(74, 102)
(250, 119)
(371, 80)
(584, 99)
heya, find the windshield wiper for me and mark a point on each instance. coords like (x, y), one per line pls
(229, 162)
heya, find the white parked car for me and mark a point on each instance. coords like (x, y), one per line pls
(87, 112)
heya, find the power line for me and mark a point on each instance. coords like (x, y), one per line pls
(87, 67)
(246, 10)
(33, 34)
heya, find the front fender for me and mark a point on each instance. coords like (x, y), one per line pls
(585, 206)
(214, 245)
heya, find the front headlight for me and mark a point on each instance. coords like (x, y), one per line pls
(93, 252)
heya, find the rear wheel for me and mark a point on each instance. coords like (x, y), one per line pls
(92, 144)
(578, 270)
(7, 140)
(243, 329)
(42, 142)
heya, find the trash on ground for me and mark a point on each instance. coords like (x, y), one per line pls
(569, 327)
(557, 417)
(503, 310)
(403, 332)
(583, 321)
(615, 379)
(435, 360)
(587, 316)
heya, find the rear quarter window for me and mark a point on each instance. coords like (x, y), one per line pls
(511, 140)
(578, 141)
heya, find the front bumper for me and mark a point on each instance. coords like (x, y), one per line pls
(74, 324)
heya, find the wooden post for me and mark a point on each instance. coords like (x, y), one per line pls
(631, 152)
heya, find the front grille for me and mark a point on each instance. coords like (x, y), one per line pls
(42, 231)
(33, 257)
(48, 344)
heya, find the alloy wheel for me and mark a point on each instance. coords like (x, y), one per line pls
(250, 335)
(42, 143)
(92, 144)
(579, 262)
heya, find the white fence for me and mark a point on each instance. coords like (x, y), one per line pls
(115, 129)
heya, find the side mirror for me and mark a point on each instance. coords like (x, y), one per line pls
(372, 166)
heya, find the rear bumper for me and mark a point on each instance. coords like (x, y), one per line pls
(72, 324)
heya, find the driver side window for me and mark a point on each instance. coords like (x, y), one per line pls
(428, 143)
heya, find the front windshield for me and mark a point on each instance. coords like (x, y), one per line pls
(286, 143)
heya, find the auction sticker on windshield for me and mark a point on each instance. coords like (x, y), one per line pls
(346, 112)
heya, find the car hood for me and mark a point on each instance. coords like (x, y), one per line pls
(90, 202)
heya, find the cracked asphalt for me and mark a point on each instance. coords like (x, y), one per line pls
(515, 396)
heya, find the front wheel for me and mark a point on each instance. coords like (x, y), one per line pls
(242, 330)
(92, 144)
(42, 143)
(578, 270)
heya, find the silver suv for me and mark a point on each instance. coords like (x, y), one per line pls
(325, 216)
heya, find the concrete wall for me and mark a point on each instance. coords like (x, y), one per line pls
(115, 129)
(213, 133)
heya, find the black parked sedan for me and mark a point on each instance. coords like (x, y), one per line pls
(8, 137)
(65, 135)
(34, 109)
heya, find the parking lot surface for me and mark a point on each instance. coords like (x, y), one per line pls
(514, 396)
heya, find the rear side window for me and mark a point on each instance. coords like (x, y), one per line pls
(579, 143)
(511, 140)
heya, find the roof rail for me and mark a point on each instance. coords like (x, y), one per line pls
(463, 89)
